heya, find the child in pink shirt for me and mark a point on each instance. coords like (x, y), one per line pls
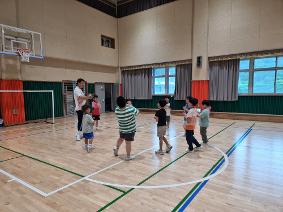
(96, 110)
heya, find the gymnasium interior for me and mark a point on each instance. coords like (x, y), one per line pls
(229, 52)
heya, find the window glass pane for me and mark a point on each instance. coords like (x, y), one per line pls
(244, 64)
(159, 85)
(171, 89)
(280, 62)
(172, 71)
(243, 85)
(279, 82)
(264, 81)
(159, 71)
(265, 62)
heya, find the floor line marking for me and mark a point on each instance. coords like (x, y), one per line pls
(102, 170)
(119, 197)
(169, 185)
(25, 184)
(11, 158)
(183, 204)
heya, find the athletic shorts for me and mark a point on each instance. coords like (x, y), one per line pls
(128, 136)
(161, 131)
(88, 135)
(96, 117)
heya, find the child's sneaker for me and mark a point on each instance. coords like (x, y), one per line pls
(198, 148)
(78, 137)
(188, 150)
(169, 149)
(129, 158)
(160, 152)
(115, 151)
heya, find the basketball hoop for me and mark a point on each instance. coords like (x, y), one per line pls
(25, 54)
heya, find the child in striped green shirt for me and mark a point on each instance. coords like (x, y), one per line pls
(126, 115)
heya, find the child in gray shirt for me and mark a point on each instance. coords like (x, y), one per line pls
(88, 124)
(204, 120)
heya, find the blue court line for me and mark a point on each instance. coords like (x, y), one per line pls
(229, 152)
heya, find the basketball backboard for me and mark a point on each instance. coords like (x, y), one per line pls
(13, 38)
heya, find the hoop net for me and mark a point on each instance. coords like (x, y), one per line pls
(25, 54)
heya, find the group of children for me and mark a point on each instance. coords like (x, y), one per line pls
(126, 115)
(191, 113)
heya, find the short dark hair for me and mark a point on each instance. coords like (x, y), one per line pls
(85, 107)
(80, 80)
(162, 103)
(121, 102)
(189, 98)
(193, 101)
(95, 96)
(205, 102)
(167, 97)
(128, 100)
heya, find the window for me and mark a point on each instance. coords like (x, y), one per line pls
(107, 42)
(163, 80)
(261, 76)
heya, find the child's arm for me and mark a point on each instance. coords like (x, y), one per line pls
(156, 118)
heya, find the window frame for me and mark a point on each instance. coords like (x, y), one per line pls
(166, 76)
(252, 71)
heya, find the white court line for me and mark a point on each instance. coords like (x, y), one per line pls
(104, 169)
(31, 187)
(210, 177)
(10, 180)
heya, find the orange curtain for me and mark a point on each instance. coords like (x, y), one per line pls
(12, 104)
(200, 90)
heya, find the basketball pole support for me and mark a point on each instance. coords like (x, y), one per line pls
(36, 91)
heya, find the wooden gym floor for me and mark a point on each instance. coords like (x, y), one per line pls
(42, 168)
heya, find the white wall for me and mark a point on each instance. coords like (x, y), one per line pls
(71, 31)
(156, 35)
(237, 26)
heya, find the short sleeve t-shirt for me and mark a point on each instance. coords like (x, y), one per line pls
(161, 114)
(204, 118)
(79, 103)
(87, 123)
(191, 117)
(127, 119)
(96, 108)
(168, 109)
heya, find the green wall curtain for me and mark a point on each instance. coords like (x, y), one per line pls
(152, 103)
(245, 104)
(39, 105)
(251, 104)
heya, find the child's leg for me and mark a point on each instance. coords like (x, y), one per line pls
(119, 142)
(203, 134)
(160, 143)
(168, 120)
(166, 141)
(96, 123)
(189, 139)
(194, 140)
(128, 148)
(86, 141)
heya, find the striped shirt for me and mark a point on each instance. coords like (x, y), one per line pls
(127, 119)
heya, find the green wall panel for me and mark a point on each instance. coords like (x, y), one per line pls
(152, 103)
(251, 104)
(245, 104)
(39, 105)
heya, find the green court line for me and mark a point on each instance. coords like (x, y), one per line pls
(55, 166)
(206, 174)
(155, 173)
(11, 158)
